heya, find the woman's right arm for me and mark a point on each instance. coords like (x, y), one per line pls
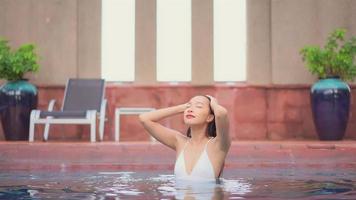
(163, 134)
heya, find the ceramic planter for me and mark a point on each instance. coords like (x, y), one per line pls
(330, 101)
(17, 99)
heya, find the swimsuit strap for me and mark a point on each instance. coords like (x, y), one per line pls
(206, 145)
(185, 145)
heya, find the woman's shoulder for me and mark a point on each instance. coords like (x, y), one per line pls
(181, 141)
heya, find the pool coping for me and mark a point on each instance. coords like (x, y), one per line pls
(61, 155)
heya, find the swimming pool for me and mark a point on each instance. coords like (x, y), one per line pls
(256, 183)
(109, 170)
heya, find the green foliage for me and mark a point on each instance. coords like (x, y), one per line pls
(335, 59)
(14, 64)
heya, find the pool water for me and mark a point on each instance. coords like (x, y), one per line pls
(254, 183)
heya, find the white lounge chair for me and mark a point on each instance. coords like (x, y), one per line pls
(83, 102)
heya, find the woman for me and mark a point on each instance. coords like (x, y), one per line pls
(201, 153)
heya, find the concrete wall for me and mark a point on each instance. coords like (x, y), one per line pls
(145, 42)
(259, 61)
(67, 33)
(278, 29)
(296, 23)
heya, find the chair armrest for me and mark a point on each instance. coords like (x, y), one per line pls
(51, 104)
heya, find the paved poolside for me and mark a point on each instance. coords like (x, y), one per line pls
(146, 155)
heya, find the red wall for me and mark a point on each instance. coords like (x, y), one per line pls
(255, 112)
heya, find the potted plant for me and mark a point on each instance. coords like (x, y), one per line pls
(17, 96)
(330, 96)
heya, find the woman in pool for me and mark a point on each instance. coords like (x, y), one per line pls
(201, 153)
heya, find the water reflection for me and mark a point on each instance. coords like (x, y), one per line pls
(273, 184)
(180, 189)
(191, 190)
(114, 185)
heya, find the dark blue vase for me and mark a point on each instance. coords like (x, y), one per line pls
(330, 101)
(17, 99)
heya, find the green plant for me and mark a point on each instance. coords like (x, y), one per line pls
(335, 59)
(14, 64)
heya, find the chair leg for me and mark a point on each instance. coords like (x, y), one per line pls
(101, 129)
(117, 125)
(102, 119)
(46, 131)
(93, 126)
(31, 136)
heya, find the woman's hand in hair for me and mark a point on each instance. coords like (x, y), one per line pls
(213, 101)
(222, 124)
(217, 109)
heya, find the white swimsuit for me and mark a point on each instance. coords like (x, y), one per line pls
(202, 171)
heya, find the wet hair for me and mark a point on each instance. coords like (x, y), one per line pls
(211, 129)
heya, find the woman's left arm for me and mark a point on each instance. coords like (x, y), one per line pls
(222, 124)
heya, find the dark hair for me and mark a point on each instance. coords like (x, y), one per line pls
(211, 129)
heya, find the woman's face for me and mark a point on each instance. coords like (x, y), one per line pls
(198, 111)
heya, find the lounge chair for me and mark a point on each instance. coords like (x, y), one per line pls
(83, 103)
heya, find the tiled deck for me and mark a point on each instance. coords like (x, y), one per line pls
(145, 155)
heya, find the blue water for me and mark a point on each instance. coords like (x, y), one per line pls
(263, 183)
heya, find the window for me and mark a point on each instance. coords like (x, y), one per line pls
(174, 40)
(118, 40)
(229, 40)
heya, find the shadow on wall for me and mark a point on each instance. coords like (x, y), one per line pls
(2, 137)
